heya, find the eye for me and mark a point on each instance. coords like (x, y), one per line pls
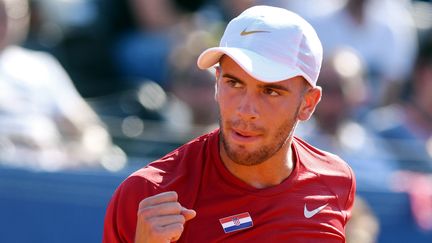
(234, 83)
(271, 92)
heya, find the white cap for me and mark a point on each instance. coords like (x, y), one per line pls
(271, 44)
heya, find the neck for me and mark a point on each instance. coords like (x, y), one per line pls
(270, 172)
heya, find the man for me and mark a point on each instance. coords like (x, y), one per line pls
(251, 180)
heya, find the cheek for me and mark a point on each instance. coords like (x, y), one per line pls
(221, 103)
(225, 106)
(224, 99)
(277, 114)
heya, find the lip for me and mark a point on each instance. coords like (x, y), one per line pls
(241, 136)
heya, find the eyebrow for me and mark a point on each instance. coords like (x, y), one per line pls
(265, 85)
(275, 86)
(232, 77)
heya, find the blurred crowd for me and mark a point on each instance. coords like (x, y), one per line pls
(108, 83)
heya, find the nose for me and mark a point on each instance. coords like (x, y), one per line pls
(247, 107)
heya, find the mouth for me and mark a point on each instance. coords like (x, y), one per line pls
(243, 133)
(244, 136)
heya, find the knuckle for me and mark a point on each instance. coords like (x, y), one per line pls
(181, 219)
(157, 229)
(147, 211)
(179, 227)
(142, 203)
(172, 194)
(154, 226)
(146, 202)
(144, 212)
(178, 205)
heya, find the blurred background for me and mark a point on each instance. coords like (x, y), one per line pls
(91, 90)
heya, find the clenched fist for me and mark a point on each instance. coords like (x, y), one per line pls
(161, 218)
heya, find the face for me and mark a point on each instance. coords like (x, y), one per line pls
(257, 119)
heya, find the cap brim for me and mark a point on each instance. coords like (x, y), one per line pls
(258, 66)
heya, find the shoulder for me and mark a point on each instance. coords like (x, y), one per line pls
(321, 162)
(192, 153)
(178, 171)
(331, 171)
(175, 170)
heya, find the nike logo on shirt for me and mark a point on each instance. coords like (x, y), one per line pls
(309, 214)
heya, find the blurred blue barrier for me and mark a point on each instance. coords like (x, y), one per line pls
(43, 207)
(54, 207)
(394, 214)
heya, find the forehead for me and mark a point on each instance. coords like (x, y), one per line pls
(230, 67)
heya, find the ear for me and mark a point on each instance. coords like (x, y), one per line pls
(310, 100)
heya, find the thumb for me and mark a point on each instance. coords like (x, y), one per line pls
(188, 213)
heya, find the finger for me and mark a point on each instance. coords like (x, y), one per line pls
(170, 196)
(188, 214)
(156, 232)
(174, 231)
(162, 221)
(168, 208)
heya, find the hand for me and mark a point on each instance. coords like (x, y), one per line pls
(161, 218)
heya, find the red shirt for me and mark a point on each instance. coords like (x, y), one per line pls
(312, 205)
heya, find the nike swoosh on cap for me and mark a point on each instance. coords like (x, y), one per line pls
(244, 32)
(309, 214)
